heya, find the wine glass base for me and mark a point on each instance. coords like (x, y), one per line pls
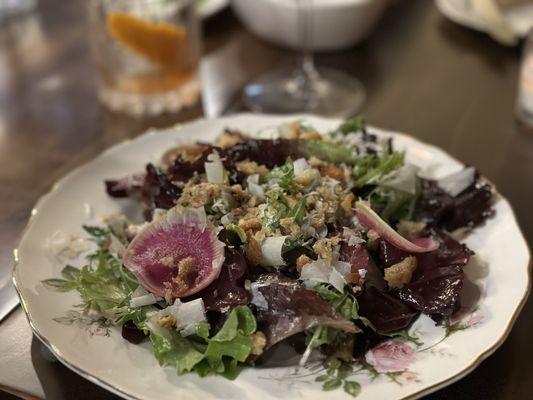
(332, 93)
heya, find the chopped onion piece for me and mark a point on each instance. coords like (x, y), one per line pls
(455, 183)
(144, 300)
(300, 165)
(254, 187)
(337, 280)
(371, 220)
(214, 171)
(271, 250)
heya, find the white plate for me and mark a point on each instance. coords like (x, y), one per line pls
(208, 8)
(132, 371)
(519, 18)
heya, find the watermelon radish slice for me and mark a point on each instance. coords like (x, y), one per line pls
(371, 220)
(177, 254)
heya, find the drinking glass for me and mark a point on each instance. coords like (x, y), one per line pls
(323, 91)
(12, 8)
(147, 54)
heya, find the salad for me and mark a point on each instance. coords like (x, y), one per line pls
(329, 243)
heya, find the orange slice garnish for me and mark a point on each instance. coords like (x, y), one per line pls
(161, 43)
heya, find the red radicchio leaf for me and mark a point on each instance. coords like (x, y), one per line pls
(286, 308)
(124, 187)
(386, 312)
(228, 289)
(441, 210)
(437, 282)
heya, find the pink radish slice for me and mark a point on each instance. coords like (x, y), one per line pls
(154, 255)
(371, 220)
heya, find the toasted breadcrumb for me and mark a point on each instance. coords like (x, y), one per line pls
(310, 135)
(346, 204)
(373, 239)
(253, 224)
(332, 171)
(250, 168)
(187, 271)
(229, 138)
(324, 247)
(301, 262)
(400, 274)
(288, 226)
(167, 261)
(307, 178)
(198, 195)
(252, 251)
(239, 194)
(258, 343)
(167, 322)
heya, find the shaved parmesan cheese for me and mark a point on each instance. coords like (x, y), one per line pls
(300, 165)
(271, 250)
(189, 315)
(403, 179)
(254, 187)
(318, 271)
(214, 169)
(69, 246)
(140, 297)
(455, 183)
(145, 300)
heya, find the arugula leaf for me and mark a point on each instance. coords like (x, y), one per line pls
(101, 236)
(370, 169)
(392, 205)
(355, 124)
(298, 211)
(277, 207)
(283, 176)
(59, 285)
(330, 151)
(238, 231)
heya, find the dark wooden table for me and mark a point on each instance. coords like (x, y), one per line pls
(424, 75)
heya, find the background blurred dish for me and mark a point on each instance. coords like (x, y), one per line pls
(207, 8)
(336, 23)
(519, 17)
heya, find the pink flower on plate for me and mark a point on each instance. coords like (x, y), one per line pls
(391, 356)
(407, 377)
(473, 319)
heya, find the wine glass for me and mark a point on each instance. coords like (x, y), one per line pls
(307, 88)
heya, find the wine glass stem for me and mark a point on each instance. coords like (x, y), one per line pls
(307, 73)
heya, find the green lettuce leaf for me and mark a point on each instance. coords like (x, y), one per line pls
(176, 351)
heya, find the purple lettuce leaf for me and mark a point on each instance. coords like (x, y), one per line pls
(469, 208)
(264, 151)
(359, 258)
(125, 186)
(438, 279)
(386, 312)
(287, 308)
(228, 289)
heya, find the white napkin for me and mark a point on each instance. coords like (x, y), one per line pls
(491, 14)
